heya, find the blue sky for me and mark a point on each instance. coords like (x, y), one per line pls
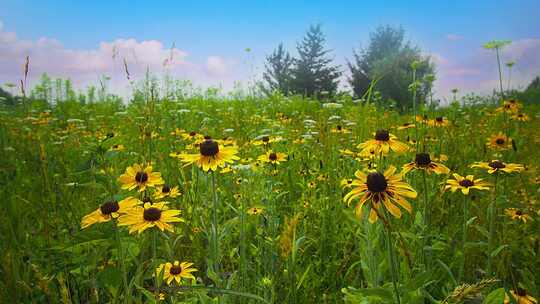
(211, 36)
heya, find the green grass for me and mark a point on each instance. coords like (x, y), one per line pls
(52, 174)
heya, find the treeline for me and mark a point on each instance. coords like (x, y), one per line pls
(386, 65)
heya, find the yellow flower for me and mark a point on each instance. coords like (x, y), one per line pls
(135, 176)
(423, 161)
(167, 191)
(265, 140)
(380, 189)
(406, 125)
(176, 271)
(108, 211)
(211, 155)
(495, 166)
(465, 184)
(499, 142)
(117, 148)
(517, 214)
(140, 218)
(520, 117)
(340, 129)
(255, 211)
(273, 157)
(439, 122)
(520, 296)
(382, 142)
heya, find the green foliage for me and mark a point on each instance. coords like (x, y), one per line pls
(390, 58)
(278, 74)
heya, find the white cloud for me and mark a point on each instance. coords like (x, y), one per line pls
(85, 66)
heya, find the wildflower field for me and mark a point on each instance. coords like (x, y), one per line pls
(270, 200)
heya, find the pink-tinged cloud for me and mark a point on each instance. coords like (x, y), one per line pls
(85, 66)
(454, 37)
(479, 73)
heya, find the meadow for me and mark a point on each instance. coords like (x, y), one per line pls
(269, 200)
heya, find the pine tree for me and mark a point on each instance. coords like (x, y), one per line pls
(313, 72)
(278, 74)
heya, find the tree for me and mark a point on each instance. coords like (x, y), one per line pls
(313, 72)
(278, 74)
(388, 59)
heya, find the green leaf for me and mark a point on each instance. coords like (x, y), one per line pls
(495, 252)
(495, 297)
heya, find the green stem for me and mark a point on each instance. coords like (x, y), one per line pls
(500, 72)
(391, 257)
(127, 296)
(491, 213)
(465, 219)
(426, 215)
(215, 243)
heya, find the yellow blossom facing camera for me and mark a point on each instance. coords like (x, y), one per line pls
(211, 155)
(138, 177)
(150, 215)
(176, 271)
(272, 157)
(383, 142)
(465, 184)
(380, 190)
(499, 141)
(517, 214)
(423, 161)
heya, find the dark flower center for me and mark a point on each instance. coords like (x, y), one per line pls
(115, 147)
(165, 189)
(519, 213)
(272, 156)
(176, 269)
(376, 182)
(497, 164)
(499, 141)
(339, 127)
(439, 119)
(209, 148)
(110, 134)
(192, 133)
(147, 199)
(266, 139)
(109, 207)
(422, 159)
(382, 135)
(141, 177)
(152, 214)
(466, 183)
(521, 292)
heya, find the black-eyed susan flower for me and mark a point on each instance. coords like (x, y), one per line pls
(465, 184)
(192, 136)
(167, 191)
(405, 126)
(495, 166)
(439, 121)
(520, 117)
(380, 189)
(499, 141)
(176, 271)
(346, 183)
(109, 210)
(340, 129)
(117, 148)
(255, 211)
(211, 155)
(382, 142)
(265, 140)
(137, 176)
(521, 296)
(423, 161)
(273, 157)
(150, 215)
(517, 214)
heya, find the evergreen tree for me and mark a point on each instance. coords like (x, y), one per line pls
(278, 74)
(313, 71)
